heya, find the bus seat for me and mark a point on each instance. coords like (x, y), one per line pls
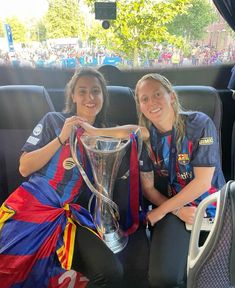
(233, 153)
(213, 264)
(121, 111)
(122, 108)
(21, 107)
(204, 99)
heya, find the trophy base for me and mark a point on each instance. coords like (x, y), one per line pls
(116, 241)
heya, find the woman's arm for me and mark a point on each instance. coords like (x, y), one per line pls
(199, 185)
(150, 192)
(31, 162)
(123, 131)
(186, 214)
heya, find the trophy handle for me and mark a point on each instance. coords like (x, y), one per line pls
(73, 148)
(112, 211)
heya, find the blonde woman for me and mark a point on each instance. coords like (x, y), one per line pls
(179, 167)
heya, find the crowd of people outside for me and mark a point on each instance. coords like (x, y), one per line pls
(71, 57)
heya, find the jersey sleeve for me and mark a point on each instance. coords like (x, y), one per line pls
(206, 152)
(41, 135)
(146, 164)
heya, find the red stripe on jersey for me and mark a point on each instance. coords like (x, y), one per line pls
(190, 148)
(78, 185)
(59, 174)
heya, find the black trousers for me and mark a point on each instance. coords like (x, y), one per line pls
(135, 260)
(96, 261)
(168, 253)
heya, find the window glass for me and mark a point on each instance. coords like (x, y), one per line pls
(66, 34)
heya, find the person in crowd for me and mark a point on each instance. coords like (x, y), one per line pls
(45, 226)
(180, 166)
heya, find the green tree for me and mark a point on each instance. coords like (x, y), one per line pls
(1, 30)
(18, 29)
(140, 24)
(63, 19)
(38, 31)
(193, 24)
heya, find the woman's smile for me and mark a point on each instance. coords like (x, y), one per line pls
(155, 110)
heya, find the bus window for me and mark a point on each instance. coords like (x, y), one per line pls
(130, 34)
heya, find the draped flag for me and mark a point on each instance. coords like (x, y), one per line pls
(30, 239)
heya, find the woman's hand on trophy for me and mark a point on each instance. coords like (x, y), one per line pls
(89, 129)
(68, 126)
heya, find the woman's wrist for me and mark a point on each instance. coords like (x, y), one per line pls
(176, 211)
(60, 140)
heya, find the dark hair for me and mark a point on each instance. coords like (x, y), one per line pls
(70, 107)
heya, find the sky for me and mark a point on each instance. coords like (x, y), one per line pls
(23, 9)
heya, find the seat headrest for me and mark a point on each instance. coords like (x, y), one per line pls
(122, 108)
(201, 98)
(22, 106)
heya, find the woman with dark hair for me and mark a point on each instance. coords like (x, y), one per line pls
(45, 227)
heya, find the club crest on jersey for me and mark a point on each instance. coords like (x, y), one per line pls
(69, 163)
(183, 159)
(37, 130)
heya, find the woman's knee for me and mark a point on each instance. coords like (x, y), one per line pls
(114, 271)
(107, 276)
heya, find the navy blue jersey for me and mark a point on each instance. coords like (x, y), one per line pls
(199, 148)
(42, 213)
(61, 172)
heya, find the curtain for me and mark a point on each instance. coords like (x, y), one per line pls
(227, 11)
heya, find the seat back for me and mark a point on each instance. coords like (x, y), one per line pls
(233, 153)
(122, 108)
(21, 107)
(213, 264)
(204, 99)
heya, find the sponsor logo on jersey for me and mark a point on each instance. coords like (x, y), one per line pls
(32, 140)
(186, 175)
(69, 163)
(37, 130)
(206, 141)
(183, 159)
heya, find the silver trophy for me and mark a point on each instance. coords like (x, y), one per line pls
(105, 155)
